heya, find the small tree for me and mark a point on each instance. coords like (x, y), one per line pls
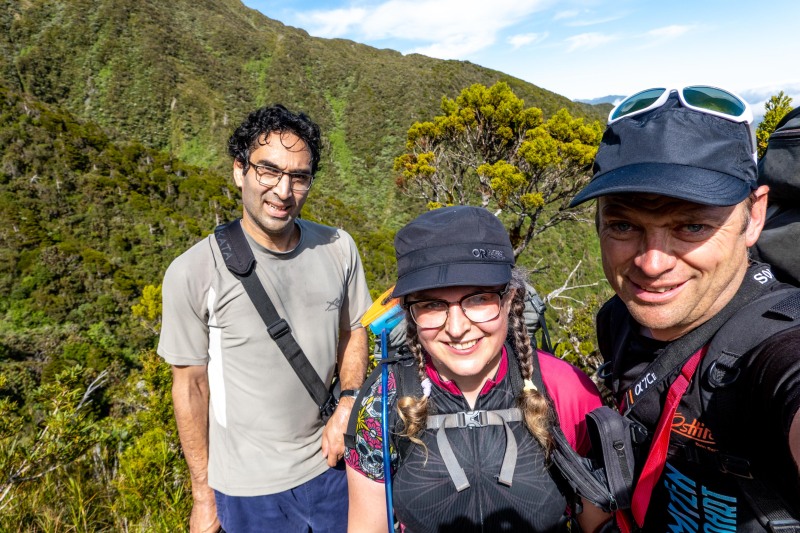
(776, 108)
(148, 310)
(488, 149)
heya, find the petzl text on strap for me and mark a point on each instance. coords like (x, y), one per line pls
(241, 263)
(658, 449)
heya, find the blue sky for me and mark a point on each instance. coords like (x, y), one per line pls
(580, 48)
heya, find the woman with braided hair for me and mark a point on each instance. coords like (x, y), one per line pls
(472, 430)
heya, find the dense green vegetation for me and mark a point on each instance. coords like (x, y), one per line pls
(113, 120)
(87, 224)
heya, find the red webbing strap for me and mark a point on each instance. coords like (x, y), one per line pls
(654, 465)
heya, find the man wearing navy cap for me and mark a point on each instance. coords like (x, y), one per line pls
(702, 345)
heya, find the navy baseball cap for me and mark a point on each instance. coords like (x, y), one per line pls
(678, 152)
(452, 246)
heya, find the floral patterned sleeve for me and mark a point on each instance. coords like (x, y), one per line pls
(366, 456)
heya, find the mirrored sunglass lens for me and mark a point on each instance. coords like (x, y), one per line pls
(714, 99)
(637, 102)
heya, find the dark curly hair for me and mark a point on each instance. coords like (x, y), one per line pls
(271, 119)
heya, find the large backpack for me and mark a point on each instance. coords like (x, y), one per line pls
(761, 309)
(780, 169)
(577, 476)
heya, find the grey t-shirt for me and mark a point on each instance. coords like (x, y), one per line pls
(264, 429)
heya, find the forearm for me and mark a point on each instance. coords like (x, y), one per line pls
(352, 357)
(190, 401)
(367, 507)
(592, 518)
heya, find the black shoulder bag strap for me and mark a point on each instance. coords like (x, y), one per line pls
(735, 340)
(241, 263)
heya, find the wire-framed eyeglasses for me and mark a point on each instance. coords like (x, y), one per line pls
(269, 176)
(478, 307)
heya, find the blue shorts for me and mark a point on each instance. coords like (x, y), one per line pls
(318, 506)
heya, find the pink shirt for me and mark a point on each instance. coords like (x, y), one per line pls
(572, 392)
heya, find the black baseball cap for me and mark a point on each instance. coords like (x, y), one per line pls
(452, 246)
(677, 152)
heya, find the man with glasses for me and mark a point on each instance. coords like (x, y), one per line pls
(701, 344)
(259, 455)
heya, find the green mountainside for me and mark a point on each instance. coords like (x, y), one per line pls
(114, 115)
(86, 223)
(179, 76)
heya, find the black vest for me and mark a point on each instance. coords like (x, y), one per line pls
(426, 500)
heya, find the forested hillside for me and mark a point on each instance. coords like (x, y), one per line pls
(179, 75)
(113, 120)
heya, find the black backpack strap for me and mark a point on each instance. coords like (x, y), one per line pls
(610, 434)
(643, 403)
(241, 263)
(614, 325)
(407, 381)
(768, 507)
(397, 358)
(582, 476)
(754, 324)
(778, 311)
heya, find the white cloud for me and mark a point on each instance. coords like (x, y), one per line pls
(450, 29)
(336, 22)
(593, 22)
(566, 14)
(762, 94)
(525, 39)
(669, 32)
(455, 46)
(589, 40)
(757, 97)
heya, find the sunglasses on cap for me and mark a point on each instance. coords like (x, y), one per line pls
(702, 98)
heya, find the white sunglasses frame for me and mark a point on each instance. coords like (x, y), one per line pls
(745, 116)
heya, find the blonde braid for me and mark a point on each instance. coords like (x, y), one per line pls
(413, 410)
(533, 404)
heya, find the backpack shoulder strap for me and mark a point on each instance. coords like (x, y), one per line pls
(578, 472)
(613, 328)
(769, 315)
(398, 360)
(235, 250)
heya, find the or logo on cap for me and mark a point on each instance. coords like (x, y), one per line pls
(482, 253)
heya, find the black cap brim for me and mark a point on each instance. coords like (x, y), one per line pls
(693, 184)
